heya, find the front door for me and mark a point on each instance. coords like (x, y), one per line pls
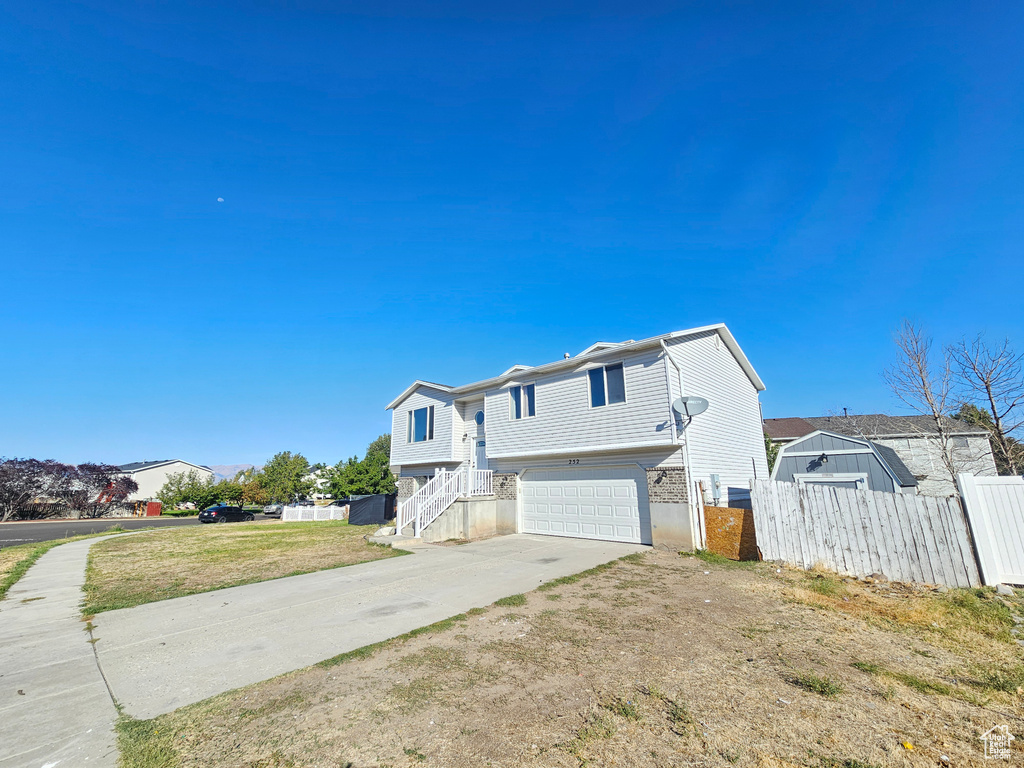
(481, 454)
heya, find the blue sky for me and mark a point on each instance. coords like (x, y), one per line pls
(438, 191)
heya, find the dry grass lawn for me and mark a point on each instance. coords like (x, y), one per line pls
(658, 660)
(174, 562)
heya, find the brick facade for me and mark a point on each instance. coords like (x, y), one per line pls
(505, 486)
(667, 485)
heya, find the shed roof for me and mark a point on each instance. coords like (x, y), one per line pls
(889, 456)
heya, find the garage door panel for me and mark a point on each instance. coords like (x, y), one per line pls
(592, 502)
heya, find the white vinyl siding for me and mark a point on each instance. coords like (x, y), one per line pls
(466, 429)
(152, 479)
(664, 456)
(565, 421)
(727, 439)
(439, 449)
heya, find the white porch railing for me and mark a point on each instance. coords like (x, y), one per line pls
(481, 482)
(427, 504)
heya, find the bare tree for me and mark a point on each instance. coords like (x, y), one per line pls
(995, 374)
(926, 388)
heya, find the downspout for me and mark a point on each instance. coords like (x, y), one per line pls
(695, 522)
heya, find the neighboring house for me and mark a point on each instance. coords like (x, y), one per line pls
(913, 438)
(829, 458)
(319, 482)
(151, 475)
(589, 446)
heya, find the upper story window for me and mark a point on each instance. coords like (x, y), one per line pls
(479, 418)
(607, 385)
(421, 425)
(522, 401)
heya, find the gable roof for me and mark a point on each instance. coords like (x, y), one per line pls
(602, 349)
(872, 425)
(413, 387)
(883, 425)
(135, 466)
(602, 345)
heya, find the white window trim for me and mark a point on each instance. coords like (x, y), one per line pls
(410, 422)
(604, 374)
(522, 401)
(821, 478)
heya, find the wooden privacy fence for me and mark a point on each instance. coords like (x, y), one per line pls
(857, 533)
(995, 507)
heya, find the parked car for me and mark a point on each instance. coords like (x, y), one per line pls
(273, 510)
(225, 514)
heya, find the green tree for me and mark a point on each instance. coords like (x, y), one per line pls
(183, 487)
(283, 477)
(771, 451)
(229, 492)
(370, 475)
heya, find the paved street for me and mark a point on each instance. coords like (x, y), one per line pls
(28, 531)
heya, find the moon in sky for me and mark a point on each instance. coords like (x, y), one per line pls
(220, 199)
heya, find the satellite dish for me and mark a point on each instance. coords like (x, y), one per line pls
(690, 406)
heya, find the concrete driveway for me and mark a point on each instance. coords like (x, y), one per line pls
(162, 656)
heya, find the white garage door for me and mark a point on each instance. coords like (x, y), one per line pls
(588, 503)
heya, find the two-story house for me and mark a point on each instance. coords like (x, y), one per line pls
(587, 446)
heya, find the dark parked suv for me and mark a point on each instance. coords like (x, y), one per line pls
(225, 514)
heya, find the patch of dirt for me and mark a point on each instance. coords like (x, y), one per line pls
(660, 661)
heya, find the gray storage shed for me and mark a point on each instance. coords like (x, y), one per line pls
(828, 458)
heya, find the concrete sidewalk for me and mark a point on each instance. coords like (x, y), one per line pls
(164, 655)
(55, 709)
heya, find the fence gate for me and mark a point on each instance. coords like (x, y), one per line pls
(995, 510)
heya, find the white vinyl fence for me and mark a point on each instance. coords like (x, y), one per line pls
(315, 513)
(995, 507)
(857, 533)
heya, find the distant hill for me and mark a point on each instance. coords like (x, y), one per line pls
(228, 471)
